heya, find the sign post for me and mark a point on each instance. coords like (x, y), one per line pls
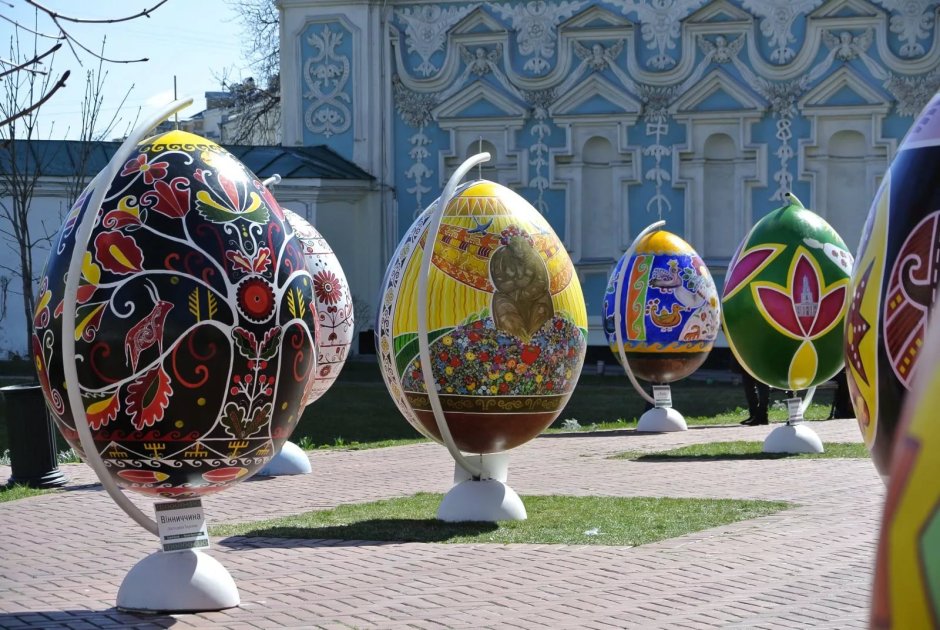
(181, 525)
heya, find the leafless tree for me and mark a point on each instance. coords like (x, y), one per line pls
(254, 115)
(52, 42)
(28, 81)
(93, 128)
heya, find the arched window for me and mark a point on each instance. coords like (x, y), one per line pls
(487, 170)
(720, 234)
(847, 198)
(598, 224)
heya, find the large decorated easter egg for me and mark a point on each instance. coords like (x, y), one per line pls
(907, 572)
(669, 311)
(784, 299)
(334, 305)
(894, 285)
(506, 320)
(194, 323)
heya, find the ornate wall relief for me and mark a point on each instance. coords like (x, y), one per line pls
(326, 77)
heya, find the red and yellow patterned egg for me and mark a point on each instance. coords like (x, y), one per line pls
(506, 319)
(894, 285)
(195, 322)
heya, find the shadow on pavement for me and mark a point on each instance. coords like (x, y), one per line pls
(361, 533)
(109, 618)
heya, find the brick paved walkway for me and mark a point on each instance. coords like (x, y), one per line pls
(63, 556)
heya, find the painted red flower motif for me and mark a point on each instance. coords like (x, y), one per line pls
(530, 354)
(805, 309)
(148, 397)
(103, 411)
(170, 199)
(258, 263)
(152, 171)
(255, 299)
(326, 287)
(118, 253)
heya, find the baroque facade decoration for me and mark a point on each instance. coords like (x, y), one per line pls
(609, 115)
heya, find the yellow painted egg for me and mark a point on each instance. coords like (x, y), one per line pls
(506, 319)
(907, 572)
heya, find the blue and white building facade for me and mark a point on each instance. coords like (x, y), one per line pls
(608, 115)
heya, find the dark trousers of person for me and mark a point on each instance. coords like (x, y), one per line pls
(841, 398)
(757, 395)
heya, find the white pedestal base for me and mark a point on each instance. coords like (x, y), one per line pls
(793, 438)
(290, 460)
(487, 499)
(661, 419)
(180, 581)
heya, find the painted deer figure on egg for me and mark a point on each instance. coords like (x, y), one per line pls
(149, 330)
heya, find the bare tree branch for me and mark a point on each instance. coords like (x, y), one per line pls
(55, 15)
(37, 104)
(31, 62)
(72, 42)
(29, 30)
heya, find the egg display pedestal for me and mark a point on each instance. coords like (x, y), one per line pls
(794, 436)
(290, 460)
(662, 418)
(482, 497)
(177, 581)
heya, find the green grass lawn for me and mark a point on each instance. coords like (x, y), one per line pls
(358, 412)
(551, 519)
(358, 407)
(743, 450)
(12, 493)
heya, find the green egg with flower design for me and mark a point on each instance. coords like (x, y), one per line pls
(785, 297)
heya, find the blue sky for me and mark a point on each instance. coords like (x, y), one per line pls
(195, 40)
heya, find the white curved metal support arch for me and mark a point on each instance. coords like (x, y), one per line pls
(274, 180)
(82, 234)
(618, 312)
(423, 343)
(807, 400)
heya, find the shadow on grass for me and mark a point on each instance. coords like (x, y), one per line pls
(662, 457)
(360, 533)
(629, 432)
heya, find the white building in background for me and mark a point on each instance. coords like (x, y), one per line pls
(316, 183)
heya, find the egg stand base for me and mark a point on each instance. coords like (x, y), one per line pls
(486, 499)
(793, 438)
(661, 420)
(178, 581)
(290, 460)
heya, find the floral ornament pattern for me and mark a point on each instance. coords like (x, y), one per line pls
(326, 74)
(194, 335)
(326, 286)
(535, 23)
(660, 25)
(152, 170)
(804, 310)
(333, 302)
(777, 21)
(426, 31)
(912, 21)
